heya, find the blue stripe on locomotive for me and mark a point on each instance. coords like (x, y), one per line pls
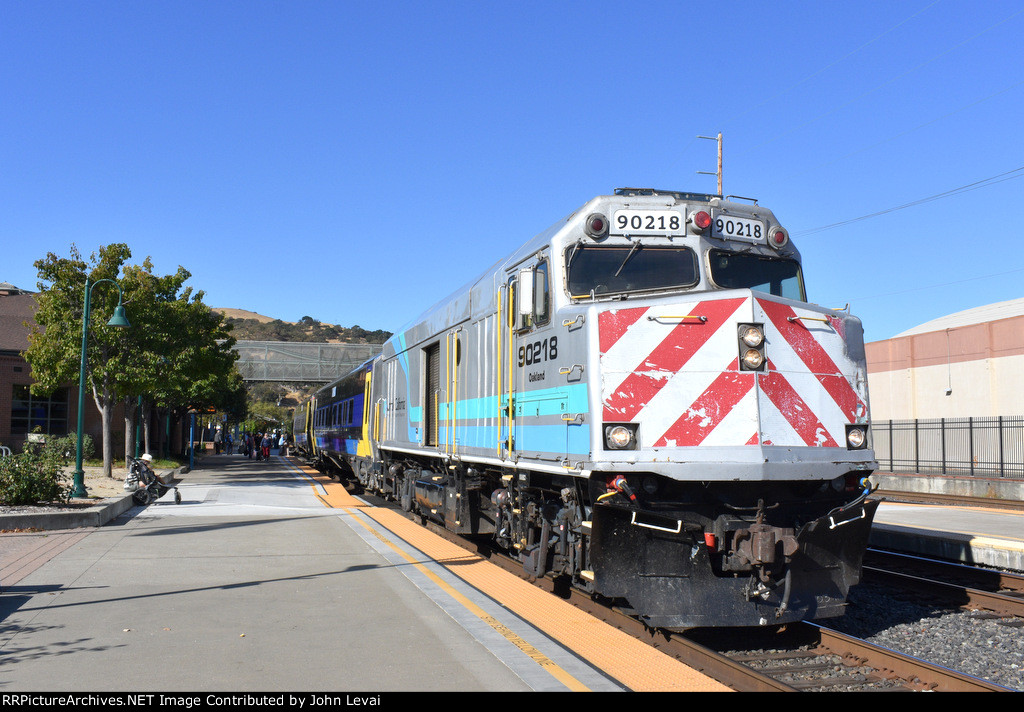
(560, 437)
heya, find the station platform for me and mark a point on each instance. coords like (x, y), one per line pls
(270, 578)
(987, 536)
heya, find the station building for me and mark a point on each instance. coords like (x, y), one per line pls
(21, 411)
(947, 402)
(965, 365)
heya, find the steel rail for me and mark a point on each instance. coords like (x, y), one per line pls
(983, 578)
(928, 675)
(963, 596)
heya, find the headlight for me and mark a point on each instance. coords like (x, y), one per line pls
(618, 437)
(751, 346)
(856, 437)
(751, 336)
(752, 359)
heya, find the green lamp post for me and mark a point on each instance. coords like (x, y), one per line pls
(119, 320)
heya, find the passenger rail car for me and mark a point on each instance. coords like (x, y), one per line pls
(640, 399)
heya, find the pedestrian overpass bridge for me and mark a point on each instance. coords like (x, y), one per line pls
(300, 361)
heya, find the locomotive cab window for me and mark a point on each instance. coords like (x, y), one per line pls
(541, 297)
(778, 277)
(635, 268)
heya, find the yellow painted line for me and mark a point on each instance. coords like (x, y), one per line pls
(343, 500)
(1003, 542)
(634, 664)
(545, 662)
(995, 509)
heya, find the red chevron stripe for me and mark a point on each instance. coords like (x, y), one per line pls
(613, 324)
(707, 412)
(814, 357)
(654, 371)
(774, 385)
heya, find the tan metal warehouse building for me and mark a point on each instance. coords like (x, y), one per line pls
(968, 364)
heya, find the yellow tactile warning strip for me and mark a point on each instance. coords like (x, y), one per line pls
(634, 664)
(1000, 541)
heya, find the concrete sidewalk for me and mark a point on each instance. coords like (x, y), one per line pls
(249, 584)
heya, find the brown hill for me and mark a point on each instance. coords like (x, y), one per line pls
(242, 314)
(250, 326)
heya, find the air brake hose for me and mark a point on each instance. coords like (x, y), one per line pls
(621, 485)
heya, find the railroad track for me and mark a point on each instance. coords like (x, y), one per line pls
(946, 499)
(812, 657)
(797, 658)
(999, 592)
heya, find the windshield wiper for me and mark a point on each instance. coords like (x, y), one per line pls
(636, 246)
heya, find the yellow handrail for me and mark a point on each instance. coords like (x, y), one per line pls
(511, 327)
(497, 362)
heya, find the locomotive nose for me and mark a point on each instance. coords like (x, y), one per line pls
(731, 372)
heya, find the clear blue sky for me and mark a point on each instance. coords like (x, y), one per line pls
(358, 161)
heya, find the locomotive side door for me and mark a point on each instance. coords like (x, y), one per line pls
(535, 418)
(505, 337)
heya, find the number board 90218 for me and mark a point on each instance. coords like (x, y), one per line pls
(732, 228)
(647, 222)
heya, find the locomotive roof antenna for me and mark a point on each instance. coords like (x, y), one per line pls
(719, 172)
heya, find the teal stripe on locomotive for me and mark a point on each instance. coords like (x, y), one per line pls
(561, 438)
(558, 437)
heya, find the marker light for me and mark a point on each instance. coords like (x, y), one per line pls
(596, 225)
(701, 220)
(778, 237)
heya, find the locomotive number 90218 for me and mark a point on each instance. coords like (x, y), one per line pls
(647, 222)
(739, 228)
(538, 351)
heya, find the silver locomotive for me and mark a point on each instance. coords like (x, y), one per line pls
(640, 400)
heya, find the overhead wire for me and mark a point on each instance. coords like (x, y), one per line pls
(815, 73)
(939, 285)
(834, 62)
(891, 80)
(984, 183)
(901, 134)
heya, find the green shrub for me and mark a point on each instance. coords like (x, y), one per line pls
(36, 475)
(66, 445)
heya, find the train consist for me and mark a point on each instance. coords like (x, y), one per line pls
(640, 400)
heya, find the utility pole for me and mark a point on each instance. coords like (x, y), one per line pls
(719, 172)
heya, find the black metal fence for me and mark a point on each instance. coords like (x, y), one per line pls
(982, 447)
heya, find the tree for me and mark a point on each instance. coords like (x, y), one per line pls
(184, 358)
(55, 341)
(176, 355)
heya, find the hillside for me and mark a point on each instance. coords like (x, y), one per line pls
(250, 326)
